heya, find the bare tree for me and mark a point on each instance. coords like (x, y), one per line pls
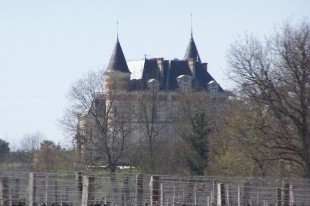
(80, 97)
(151, 126)
(25, 154)
(240, 152)
(274, 76)
(99, 119)
(31, 142)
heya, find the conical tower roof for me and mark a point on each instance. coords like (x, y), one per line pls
(191, 51)
(117, 60)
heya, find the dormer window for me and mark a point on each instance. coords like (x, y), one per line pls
(184, 82)
(213, 87)
(153, 85)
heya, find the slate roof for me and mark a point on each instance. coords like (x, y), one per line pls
(168, 79)
(148, 69)
(191, 51)
(117, 60)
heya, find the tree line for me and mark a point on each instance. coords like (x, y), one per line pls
(36, 153)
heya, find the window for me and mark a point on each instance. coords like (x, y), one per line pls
(115, 112)
(153, 85)
(213, 88)
(184, 82)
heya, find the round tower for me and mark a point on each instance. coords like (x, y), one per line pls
(117, 75)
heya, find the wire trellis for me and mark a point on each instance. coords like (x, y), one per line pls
(23, 188)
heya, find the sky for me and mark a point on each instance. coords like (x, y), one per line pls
(45, 46)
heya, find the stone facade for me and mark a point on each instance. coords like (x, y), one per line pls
(143, 99)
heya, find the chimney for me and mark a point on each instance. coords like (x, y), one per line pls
(160, 64)
(191, 65)
(205, 66)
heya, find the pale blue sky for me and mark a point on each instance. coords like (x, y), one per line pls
(47, 45)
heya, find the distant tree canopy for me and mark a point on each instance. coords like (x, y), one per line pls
(4, 149)
(53, 157)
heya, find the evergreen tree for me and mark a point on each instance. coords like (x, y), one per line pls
(197, 140)
(4, 150)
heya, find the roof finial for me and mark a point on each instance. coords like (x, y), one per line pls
(191, 25)
(117, 29)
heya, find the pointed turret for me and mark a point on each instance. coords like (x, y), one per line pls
(117, 60)
(191, 51)
(117, 75)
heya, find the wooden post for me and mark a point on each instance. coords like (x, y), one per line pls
(195, 195)
(213, 193)
(66, 196)
(161, 194)
(49, 190)
(79, 183)
(227, 195)
(154, 190)
(174, 193)
(212, 197)
(220, 194)
(15, 192)
(46, 188)
(1, 188)
(189, 194)
(115, 192)
(56, 190)
(175, 199)
(123, 197)
(139, 189)
(278, 197)
(292, 198)
(31, 189)
(239, 196)
(218, 199)
(126, 191)
(285, 194)
(91, 191)
(88, 195)
(5, 192)
(246, 194)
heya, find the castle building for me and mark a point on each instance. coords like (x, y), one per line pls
(141, 99)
